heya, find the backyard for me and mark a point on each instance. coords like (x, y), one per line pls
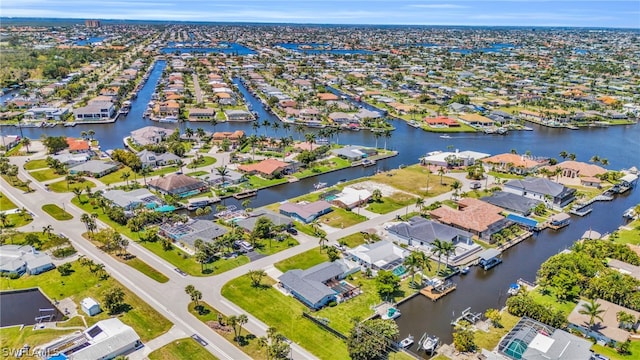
(303, 260)
(341, 218)
(68, 186)
(396, 201)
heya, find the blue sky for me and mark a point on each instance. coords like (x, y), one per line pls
(588, 13)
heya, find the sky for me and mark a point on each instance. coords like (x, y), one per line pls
(581, 13)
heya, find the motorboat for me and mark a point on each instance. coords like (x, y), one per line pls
(464, 270)
(391, 314)
(429, 343)
(406, 342)
(630, 213)
(514, 289)
(319, 185)
(445, 137)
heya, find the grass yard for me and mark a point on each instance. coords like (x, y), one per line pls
(629, 236)
(304, 228)
(87, 207)
(501, 175)
(412, 178)
(267, 247)
(489, 340)
(391, 203)
(613, 354)
(303, 260)
(551, 301)
(82, 283)
(56, 212)
(164, 171)
(48, 241)
(36, 164)
(6, 203)
(65, 186)
(16, 182)
(116, 176)
(257, 182)
(206, 161)
(197, 173)
(285, 314)
(17, 220)
(341, 218)
(353, 240)
(45, 175)
(248, 342)
(182, 349)
(146, 269)
(13, 338)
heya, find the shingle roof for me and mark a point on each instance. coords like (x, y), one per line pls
(310, 283)
(537, 185)
(511, 202)
(424, 230)
(176, 183)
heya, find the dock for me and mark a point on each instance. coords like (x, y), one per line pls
(467, 315)
(436, 292)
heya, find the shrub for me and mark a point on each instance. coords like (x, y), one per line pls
(64, 252)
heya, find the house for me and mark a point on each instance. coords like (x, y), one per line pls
(90, 306)
(573, 169)
(350, 197)
(149, 135)
(150, 159)
(78, 146)
(609, 330)
(187, 233)
(340, 117)
(327, 97)
(196, 114)
(106, 339)
(71, 159)
(238, 115)
(167, 108)
(8, 142)
(278, 220)
(305, 212)
(354, 152)
(179, 185)
(382, 255)
(364, 114)
(268, 168)
(449, 159)
(625, 268)
(514, 163)
(512, 202)
(320, 284)
(541, 189)
(441, 122)
(46, 113)
(18, 259)
(476, 120)
(95, 110)
(480, 218)
(94, 168)
(129, 200)
(232, 177)
(234, 138)
(533, 340)
(420, 233)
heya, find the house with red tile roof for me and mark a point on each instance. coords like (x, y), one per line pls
(475, 216)
(78, 145)
(441, 121)
(515, 163)
(327, 96)
(268, 168)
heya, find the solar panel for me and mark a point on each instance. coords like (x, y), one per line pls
(94, 331)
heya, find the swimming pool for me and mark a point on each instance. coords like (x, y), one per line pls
(165, 208)
(516, 349)
(399, 270)
(330, 198)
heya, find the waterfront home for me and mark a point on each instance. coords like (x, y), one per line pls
(624, 268)
(479, 218)
(129, 200)
(350, 197)
(238, 115)
(268, 168)
(45, 113)
(354, 152)
(8, 142)
(340, 117)
(541, 189)
(234, 138)
(573, 169)
(231, 178)
(420, 233)
(382, 255)
(512, 202)
(448, 158)
(461, 108)
(364, 114)
(78, 146)
(149, 135)
(187, 233)
(18, 259)
(278, 220)
(476, 120)
(179, 185)
(317, 286)
(151, 159)
(609, 330)
(530, 339)
(71, 160)
(305, 212)
(197, 114)
(327, 96)
(513, 163)
(94, 168)
(167, 108)
(95, 110)
(441, 122)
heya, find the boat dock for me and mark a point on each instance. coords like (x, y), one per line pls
(468, 316)
(436, 292)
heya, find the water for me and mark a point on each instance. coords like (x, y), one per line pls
(89, 41)
(23, 306)
(227, 48)
(296, 47)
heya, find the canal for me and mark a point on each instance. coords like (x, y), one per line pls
(479, 290)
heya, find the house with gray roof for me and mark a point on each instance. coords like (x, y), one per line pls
(238, 115)
(541, 189)
(129, 200)
(382, 255)
(94, 168)
(178, 185)
(512, 202)
(187, 233)
(366, 114)
(18, 259)
(149, 135)
(277, 219)
(319, 285)
(305, 212)
(152, 160)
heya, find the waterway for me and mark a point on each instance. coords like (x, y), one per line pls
(479, 290)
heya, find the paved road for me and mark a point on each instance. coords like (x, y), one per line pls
(196, 88)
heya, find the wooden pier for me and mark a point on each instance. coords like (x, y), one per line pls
(436, 292)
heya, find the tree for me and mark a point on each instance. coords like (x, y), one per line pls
(441, 172)
(333, 254)
(494, 316)
(189, 289)
(456, 186)
(65, 269)
(263, 228)
(113, 300)
(370, 339)
(388, 283)
(322, 240)
(125, 176)
(179, 163)
(311, 139)
(376, 195)
(276, 344)
(196, 296)
(411, 262)
(77, 191)
(464, 337)
(222, 172)
(625, 320)
(26, 142)
(592, 310)
(438, 250)
(55, 144)
(563, 154)
(256, 277)
(387, 135)
(47, 230)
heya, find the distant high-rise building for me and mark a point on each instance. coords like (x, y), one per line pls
(92, 23)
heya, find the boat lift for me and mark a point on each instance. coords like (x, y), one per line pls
(467, 315)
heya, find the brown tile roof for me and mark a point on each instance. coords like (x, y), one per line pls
(582, 168)
(77, 144)
(515, 159)
(327, 96)
(609, 324)
(175, 181)
(267, 166)
(442, 120)
(473, 214)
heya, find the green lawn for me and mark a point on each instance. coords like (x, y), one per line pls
(489, 340)
(47, 241)
(16, 182)
(501, 175)
(629, 236)
(331, 164)
(394, 202)
(413, 179)
(44, 175)
(267, 247)
(197, 173)
(341, 218)
(17, 220)
(6, 203)
(146, 269)
(87, 207)
(206, 161)
(116, 176)
(64, 186)
(353, 240)
(248, 342)
(36, 164)
(182, 349)
(285, 314)
(82, 283)
(304, 228)
(258, 182)
(164, 171)
(303, 260)
(551, 301)
(613, 354)
(13, 338)
(56, 212)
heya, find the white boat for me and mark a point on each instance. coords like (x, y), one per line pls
(406, 342)
(319, 185)
(630, 213)
(514, 289)
(367, 162)
(429, 343)
(445, 136)
(464, 270)
(169, 119)
(391, 314)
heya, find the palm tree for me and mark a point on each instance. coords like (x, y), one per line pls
(253, 140)
(144, 171)
(4, 219)
(420, 204)
(449, 249)
(275, 126)
(456, 187)
(377, 135)
(300, 130)
(387, 135)
(265, 125)
(604, 161)
(593, 311)
(222, 172)
(26, 142)
(412, 262)
(441, 172)
(322, 240)
(572, 156)
(438, 250)
(47, 230)
(125, 176)
(242, 319)
(423, 263)
(563, 154)
(179, 163)
(91, 133)
(188, 132)
(595, 159)
(255, 126)
(286, 127)
(77, 191)
(310, 138)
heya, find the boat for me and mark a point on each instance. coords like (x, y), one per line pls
(169, 119)
(514, 289)
(200, 202)
(367, 162)
(429, 343)
(406, 342)
(246, 193)
(70, 124)
(445, 136)
(319, 185)
(414, 124)
(464, 270)
(630, 213)
(581, 211)
(391, 314)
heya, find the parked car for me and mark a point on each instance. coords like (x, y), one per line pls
(292, 231)
(246, 246)
(476, 185)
